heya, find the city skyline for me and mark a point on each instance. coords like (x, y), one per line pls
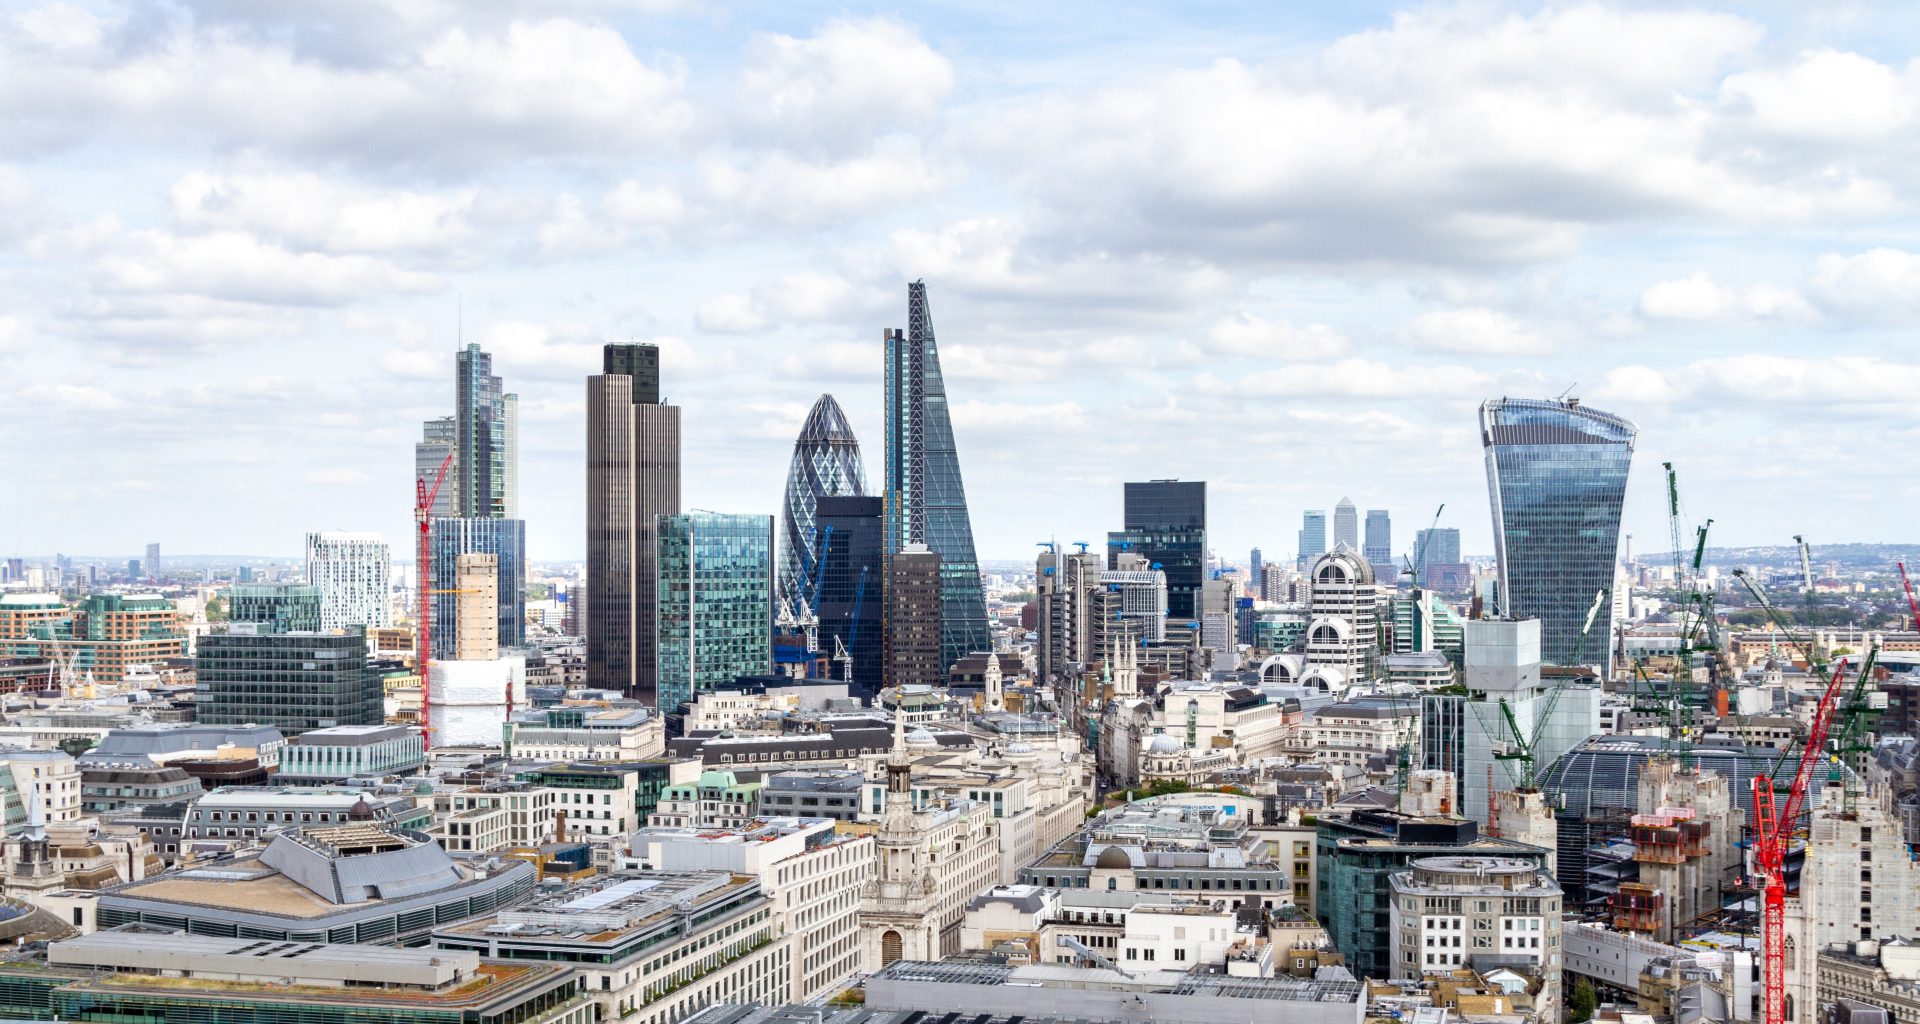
(206, 298)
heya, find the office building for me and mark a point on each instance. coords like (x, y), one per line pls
(652, 946)
(1130, 604)
(292, 607)
(343, 752)
(1438, 546)
(913, 618)
(1067, 587)
(506, 540)
(104, 635)
(1557, 475)
(814, 873)
(1452, 911)
(715, 586)
(926, 502)
(357, 881)
(1254, 567)
(633, 476)
(168, 976)
(851, 579)
(295, 682)
(1358, 852)
(1346, 524)
(1343, 621)
(476, 607)
(1377, 546)
(826, 463)
(351, 570)
(153, 561)
(437, 442)
(1165, 521)
(485, 429)
(1313, 536)
(1461, 733)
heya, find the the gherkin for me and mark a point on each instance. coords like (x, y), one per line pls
(826, 463)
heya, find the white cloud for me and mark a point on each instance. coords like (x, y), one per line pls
(239, 267)
(310, 212)
(462, 98)
(1247, 334)
(1825, 95)
(731, 313)
(1453, 138)
(1697, 297)
(1842, 383)
(1880, 284)
(338, 475)
(1353, 378)
(13, 333)
(1475, 330)
(849, 81)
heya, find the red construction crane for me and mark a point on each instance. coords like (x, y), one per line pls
(1913, 605)
(423, 496)
(1772, 835)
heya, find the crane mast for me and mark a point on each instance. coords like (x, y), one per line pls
(423, 496)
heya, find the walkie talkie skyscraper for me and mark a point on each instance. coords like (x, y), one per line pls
(925, 500)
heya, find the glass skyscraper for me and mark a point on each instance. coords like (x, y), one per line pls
(852, 582)
(925, 500)
(1378, 543)
(1313, 535)
(486, 428)
(1557, 475)
(826, 464)
(1166, 522)
(506, 539)
(715, 590)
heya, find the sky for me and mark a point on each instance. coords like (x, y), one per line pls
(1286, 249)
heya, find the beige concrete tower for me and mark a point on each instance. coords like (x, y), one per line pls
(476, 609)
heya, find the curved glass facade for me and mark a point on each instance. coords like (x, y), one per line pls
(826, 464)
(1556, 477)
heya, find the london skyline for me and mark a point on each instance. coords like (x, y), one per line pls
(236, 327)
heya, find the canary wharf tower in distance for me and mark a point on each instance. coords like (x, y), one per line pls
(1557, 476)
(926, 504)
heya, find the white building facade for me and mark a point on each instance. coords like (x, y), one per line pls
(351, 570)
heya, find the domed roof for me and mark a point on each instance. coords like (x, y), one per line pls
(1342, 565)
(1113, 858)
(360, 811)
(1162, 743)
(1019, 747)
(920, 737)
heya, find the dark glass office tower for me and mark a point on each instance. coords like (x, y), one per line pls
(1557, 475)
(293, 681)
(926, 503)
(641, 362)
(1166, 522)
(633, 475)
(826, 463)
(852, 581)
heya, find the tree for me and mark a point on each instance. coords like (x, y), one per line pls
(1581, 1004)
